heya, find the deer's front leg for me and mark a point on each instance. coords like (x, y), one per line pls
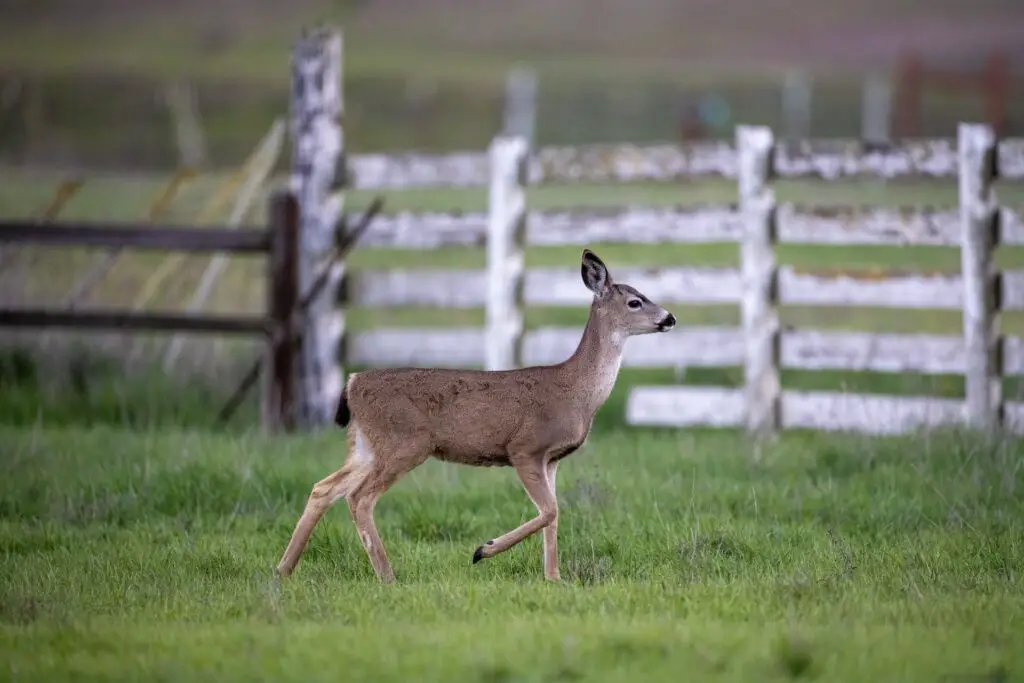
(533, 475)
(551, 531)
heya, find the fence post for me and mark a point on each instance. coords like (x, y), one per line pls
(506, 228)
(755, 147)
(797, 92)
(278, 405)
(521, 103)
(979, 221)
(876, 110)
(909, 91)
(318, 176)
(180, 97)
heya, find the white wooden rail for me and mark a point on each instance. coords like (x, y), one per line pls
(759, 286)
(794, 223)
(818, 159)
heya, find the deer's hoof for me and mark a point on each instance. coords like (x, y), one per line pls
(479, 554)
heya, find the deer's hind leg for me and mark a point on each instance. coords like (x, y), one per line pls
(387, 470)
(325, 494)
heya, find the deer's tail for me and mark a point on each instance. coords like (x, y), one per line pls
(342, 415)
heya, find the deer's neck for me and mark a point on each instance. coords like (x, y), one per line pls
(594, 366)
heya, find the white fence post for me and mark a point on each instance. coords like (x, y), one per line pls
(755, 147)
(521, 103)
(506, 228)
(317, 180)
(979, 220)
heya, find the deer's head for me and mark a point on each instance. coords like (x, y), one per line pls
(622, 308)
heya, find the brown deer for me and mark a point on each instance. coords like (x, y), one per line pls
(528, 418)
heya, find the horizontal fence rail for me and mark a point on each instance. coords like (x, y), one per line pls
(685, 348)
(827, 160)
(817, 410)
(686, 285)
(133, 235)
(796, 224)
(133, 321)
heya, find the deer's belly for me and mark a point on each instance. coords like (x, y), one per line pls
(474, 458)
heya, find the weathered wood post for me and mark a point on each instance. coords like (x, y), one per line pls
(979, 220)
(520, 103)
(755, 147)
(506, 229)
(318, 178)
(180, 97)
(876, 110)
(797, 95)
(278, 404)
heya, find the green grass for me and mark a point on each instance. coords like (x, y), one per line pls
(148, 555)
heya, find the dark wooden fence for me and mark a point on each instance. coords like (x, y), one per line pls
(279, 241)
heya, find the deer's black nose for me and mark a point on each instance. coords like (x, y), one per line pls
(668, 323)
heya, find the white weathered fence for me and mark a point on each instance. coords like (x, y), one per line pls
(757, 222)
(764, 407)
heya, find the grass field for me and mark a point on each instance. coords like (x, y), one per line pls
(148, 556)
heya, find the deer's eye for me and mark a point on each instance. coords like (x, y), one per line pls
(634, 304)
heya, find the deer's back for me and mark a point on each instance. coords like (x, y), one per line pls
(467, 416)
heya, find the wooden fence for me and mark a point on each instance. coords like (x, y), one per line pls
(284, 312)
(322, 173)
(316, 186)
(757, 222)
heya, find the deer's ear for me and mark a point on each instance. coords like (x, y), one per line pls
(595, 273)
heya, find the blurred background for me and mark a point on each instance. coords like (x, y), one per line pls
(87, 83)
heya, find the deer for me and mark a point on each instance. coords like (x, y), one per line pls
(527, 418)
